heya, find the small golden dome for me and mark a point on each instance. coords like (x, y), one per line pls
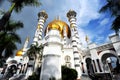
(19, 53)
(59, 25)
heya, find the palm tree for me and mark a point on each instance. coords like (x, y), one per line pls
(9, 38)
(113, 6)
(1, 1)
(35, 54)
(17, 5)
(35, 49)
(116, 25)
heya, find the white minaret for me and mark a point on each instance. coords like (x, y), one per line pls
(42, 16)
(24, 49)
(72, 19)
(65, 36)
(51, 64)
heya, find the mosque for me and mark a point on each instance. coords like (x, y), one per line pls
(62, 46)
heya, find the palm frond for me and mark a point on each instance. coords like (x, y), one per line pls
(104, 8)
(19, 4)
(5, 18)
(1, 1)
(35, 49)
(13, 25)
(2, 12)
(116, 24)
(14, 37)
(10, 47)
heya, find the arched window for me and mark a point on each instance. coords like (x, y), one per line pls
(67, 61)
(67, 58)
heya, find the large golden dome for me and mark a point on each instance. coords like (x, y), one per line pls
(19, 53)
(59, 25)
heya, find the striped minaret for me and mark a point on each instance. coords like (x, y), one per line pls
(79, 44)
(42, 16)
(72, 19)
(65, 37)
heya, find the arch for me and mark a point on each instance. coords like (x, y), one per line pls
(108, 53)
(86, 58)
(89, 65)
(104, 55)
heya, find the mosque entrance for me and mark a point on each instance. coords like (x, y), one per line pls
(89, 66)
(110, 63)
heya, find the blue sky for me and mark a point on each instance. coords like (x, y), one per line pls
(90, 22)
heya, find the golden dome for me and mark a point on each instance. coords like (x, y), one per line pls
(19, 53)
(59, 25)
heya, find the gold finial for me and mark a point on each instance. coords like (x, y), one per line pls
(57, 18)
(43, 10)
(70, 10)
(87, 39)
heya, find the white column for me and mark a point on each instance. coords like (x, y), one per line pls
(72, 19)
(42, 16)
(51, 61)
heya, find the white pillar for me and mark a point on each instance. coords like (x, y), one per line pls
(72, 19)
(42, 16)
(51, 61)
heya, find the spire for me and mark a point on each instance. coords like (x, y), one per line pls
(27, 39)
(26, 43)
(57, 17)
(86, 38)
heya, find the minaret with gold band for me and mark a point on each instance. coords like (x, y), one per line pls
(42, 16)
(72, 19)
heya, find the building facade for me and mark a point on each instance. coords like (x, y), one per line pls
(62, 46)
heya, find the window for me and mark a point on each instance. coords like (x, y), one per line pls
(67, 58)
(67, 61)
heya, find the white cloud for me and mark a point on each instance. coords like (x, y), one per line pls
(82, 35)
(99, 39)
(104, 22)
(87, 10)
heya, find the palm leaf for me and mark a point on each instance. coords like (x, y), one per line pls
(19, 4)
(13, 25)
(4, 20)
(104, 8)
(35, 49)
(10, 47)
(116, 24)
(1, 1)
(15, 37)
(112, 6)
(9, 38)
